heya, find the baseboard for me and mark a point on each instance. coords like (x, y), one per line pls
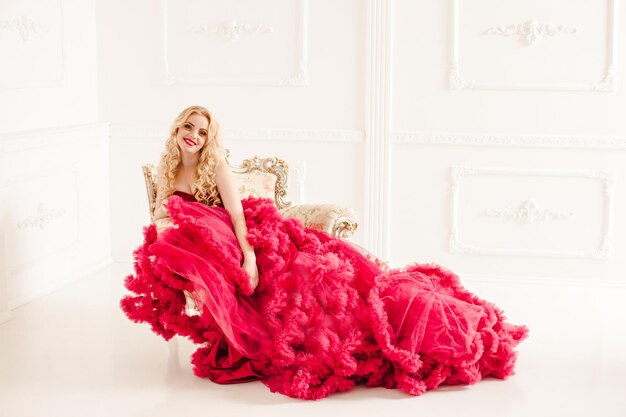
(123, 258)
(5, 316)
(504, 279)
(552, 281)
(63, 282)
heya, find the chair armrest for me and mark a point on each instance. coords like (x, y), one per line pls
(330, 218)
(164, 223)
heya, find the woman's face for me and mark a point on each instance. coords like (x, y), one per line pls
(192, 135)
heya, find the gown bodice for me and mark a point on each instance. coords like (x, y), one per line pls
(185, 196)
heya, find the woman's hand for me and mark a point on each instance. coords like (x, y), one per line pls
(249, 265)
(161, 212)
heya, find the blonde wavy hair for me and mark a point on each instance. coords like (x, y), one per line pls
(210, 154)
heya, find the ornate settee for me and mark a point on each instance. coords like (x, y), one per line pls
(267, 177)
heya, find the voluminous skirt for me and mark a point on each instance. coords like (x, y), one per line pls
(325, 316)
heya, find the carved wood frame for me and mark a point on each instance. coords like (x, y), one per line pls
(271, 165)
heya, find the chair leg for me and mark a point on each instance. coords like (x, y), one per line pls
(173, 357)
(5, 312)
(173, 346)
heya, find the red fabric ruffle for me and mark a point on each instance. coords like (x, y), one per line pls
(325, 315)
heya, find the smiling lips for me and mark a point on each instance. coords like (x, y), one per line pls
(189, 142)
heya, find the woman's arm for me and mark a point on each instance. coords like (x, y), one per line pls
(229, 194)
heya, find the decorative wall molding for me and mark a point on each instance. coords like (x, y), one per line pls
(531, 31)
(263, 134)
(603, 251)
(48, 239)
(24, 26)
(380, 29)
(456, 82)
(42, 218)
(508, 140)
(605, 84)
(34, 141)
(299, 78)
(529, 212)
(233, 29)
(29, 31)
(15, 141)
(297, 135)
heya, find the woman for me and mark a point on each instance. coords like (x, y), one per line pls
(306, 313)
(194, 166)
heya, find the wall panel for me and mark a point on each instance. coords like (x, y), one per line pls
(55, 212)
(48, 76)
(508, 139)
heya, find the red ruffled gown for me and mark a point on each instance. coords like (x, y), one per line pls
(325, 316)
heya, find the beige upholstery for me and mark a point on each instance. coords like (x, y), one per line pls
(330, 218)
(267, 177)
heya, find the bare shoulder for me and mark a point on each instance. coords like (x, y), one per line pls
(227, 186)
(222, 170)
(221, 164)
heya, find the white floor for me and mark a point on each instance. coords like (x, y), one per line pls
(74, 353)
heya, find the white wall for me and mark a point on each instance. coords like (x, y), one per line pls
(54, 204)
(435, 131)
(292, 89)
(483, 123)
(48, 76)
